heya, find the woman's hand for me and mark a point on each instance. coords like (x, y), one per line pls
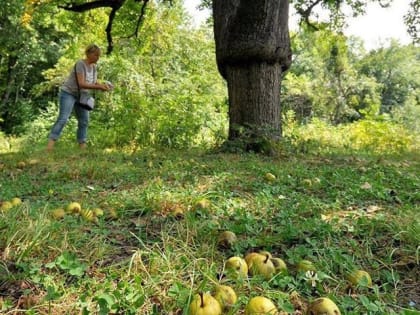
(103, 87)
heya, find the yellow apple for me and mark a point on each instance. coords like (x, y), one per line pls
(204, 304)
(236, 266)
(178, 213)
(262, 265)
(279, 265)
(21, 164)
(74, 207)
(323, 306)
(259, 305)
(226, 296)
(226, 239)
(359, 277)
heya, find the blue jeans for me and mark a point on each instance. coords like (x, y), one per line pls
(66, 101)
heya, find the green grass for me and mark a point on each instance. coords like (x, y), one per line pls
(343, 212)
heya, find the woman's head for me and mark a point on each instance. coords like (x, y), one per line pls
(93, 52)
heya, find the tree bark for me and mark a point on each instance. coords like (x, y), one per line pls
(252, 51)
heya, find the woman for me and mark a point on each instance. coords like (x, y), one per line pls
(85, 69)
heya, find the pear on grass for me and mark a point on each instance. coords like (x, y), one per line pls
(259, 305)
(237, 267)
(98, 212)
(360, 278)
(323, 306)
(279, 265)
(16, 201)
(204, 304)
(226, 296)
(305, 265)
(270, 177)
(58, 213)
(262, 265)
(226, 239)
(74, 207)
(5, 206)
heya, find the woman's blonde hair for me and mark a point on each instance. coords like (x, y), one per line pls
(91, 49)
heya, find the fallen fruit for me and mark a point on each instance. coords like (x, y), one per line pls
(260, 305)
(226, 296)
(16, 201)
(74, 207)
(262, 265)
(226, 239)
(98, 212)
(270, 177)
(323, 306)
(204, 304)
(279, 265)
(305, 265)
(6, 205)
(360, 278)
(58, 213)
(88, 215)
(236, 267)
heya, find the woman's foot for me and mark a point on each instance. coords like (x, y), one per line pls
(82, 145)
(50, 145)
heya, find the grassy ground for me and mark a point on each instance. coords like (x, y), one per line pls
(157, 243)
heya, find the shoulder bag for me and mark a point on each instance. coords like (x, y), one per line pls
(84, 100)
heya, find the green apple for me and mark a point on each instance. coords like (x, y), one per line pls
(360, 277)
(259, 305)
(279, 265)
(305, 265)
(226, 239)
(74, 207)
(237, 267)
(262, 265)
(226, 296)
(204, 304)
(323, 306)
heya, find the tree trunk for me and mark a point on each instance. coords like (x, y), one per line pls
(254, 98)
(252, 51)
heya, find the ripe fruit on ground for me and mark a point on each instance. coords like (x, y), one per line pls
(178, 213)
(74, 207)
(202, 204)
(226, 296)
(16, 201)
(5, 206)
(88, 215)
(21, 164)
(237, 267)
(260, 305)
(360, 277)
(323, 306)
(279, 265)
(204, 304)
(261, 265)
(98, 212)
(226, 239)
(270, 177)
(58, 213)
(305, 265)
(250, 256)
